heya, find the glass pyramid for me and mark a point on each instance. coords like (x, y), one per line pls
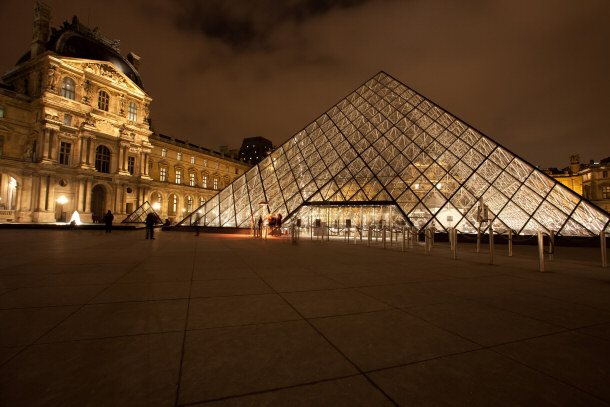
(387, 154)
(139, 215)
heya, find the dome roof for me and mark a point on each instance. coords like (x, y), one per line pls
(75, 40)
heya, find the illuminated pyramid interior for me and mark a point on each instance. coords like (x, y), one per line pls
(386, 155)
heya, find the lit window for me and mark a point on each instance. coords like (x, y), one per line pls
(204, 181)
(201, 201)
(178, 176)
(179, 156)
(132, 112)
(192, 160)
(172, 204)
(64, 153)
(103, 100)
(163, 153)
(605, 192)
(102, 159)
(67, 88)
(215, 183)
(67, 120)
(205, 163)
(192, 179)
(131, 164)
(163, 174)
(189, 204)
(216, 165)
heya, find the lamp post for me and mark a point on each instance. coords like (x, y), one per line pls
(61, 201)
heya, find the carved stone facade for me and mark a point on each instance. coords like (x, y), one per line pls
(75, 135)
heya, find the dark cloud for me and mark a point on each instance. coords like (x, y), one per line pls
(244, 23)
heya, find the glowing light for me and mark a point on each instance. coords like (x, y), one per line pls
(438, 185)
(62, 200)
(183, 210)
(156, 206)
(12, 183)
(416, 186)
(75, 218)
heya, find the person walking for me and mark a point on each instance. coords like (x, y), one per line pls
(260, 226)
(150, 225)
(108, 218)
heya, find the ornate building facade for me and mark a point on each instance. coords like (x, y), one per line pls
(75, 135)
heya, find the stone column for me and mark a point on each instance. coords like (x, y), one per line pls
(91, 151)
(146, 163)
(121, 158)
(45, 144)
(54, 146)
(42, 195)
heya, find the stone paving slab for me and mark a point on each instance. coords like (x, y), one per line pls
(91, 319)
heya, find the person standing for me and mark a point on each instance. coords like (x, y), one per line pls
(108, 218)
(260, 226)
(150, 225)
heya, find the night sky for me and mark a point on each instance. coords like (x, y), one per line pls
(532, 75)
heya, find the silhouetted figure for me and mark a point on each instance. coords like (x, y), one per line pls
(92, 217)
(108, 218)
(167, 222)
(260, 226)
(150, 225)
(278, 223)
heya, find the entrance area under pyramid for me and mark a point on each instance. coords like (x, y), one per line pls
(386, 157)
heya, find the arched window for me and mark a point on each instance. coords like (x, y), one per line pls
(102, 159)
(172, 204)
(103, 100)
(201, 201)
(132, 112)
(156, 200)
(189, 204)
(67, 88)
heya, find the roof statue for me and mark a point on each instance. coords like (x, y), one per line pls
(385, 146)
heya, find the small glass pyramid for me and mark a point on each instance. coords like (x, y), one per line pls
(387, 154)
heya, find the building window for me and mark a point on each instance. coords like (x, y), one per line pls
(163, 152)
(172, 204)
(605, 192)
(201, 201)
(236, 171)
(226, 168)
(192, 159)
(1, 111)
(604, 174)
(64, 153)
(132, 112)
(179, 156)
(216, 165)
(67, 119)
(205, 163)
(163, 174)
(67, 88)
(178, 176)
(215, 183)
(103, 100)
(102, 159)
(189, 204)
(131, 164)
(192, 179)
(204, 181)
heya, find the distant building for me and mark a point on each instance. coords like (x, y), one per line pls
(589, 180)
(254, 149)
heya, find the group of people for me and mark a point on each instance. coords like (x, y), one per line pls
(273, 221)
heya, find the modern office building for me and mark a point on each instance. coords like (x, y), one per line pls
(385, 155)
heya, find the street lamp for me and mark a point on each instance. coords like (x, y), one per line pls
(156, 206)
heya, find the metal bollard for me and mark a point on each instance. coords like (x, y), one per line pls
(383, 237)
(479, 239)
(510, 243)
(551, 244)
(454, 242)
(403, 238)
(541, 250)
(602, 238)
(491, 244)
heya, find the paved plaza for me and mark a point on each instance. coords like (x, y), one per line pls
(95, 319)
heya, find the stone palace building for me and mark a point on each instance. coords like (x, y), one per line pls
(75, 135)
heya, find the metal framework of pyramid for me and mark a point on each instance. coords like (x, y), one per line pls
(139, 215)
(385, 144)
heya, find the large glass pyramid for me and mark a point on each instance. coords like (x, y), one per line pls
(387, 154)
